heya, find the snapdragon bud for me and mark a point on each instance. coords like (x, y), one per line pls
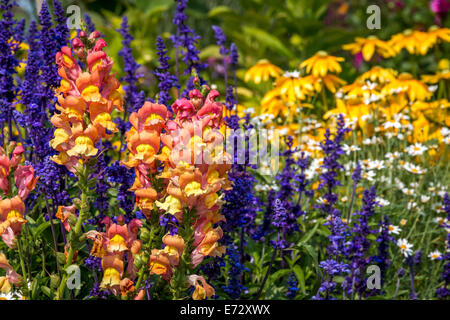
(78, 48)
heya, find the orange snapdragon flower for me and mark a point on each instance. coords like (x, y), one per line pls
(11, 219)
(143, 142)
(120, 240)
(11, 277)
(202, 290)
(86, 100)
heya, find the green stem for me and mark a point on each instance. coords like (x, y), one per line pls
(22, 265)
(324, 100)
(76, 233)
(178, 282)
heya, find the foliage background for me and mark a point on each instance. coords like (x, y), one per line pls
(284, 32)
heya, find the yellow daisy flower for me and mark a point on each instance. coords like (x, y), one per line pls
(262, 71)
(368, 46)
(442, 74)
(412, 88)
(379, 75)
(292, 87)
(321, 63)
(415, 42)
(436, 34)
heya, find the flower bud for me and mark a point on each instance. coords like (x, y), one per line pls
(145, 235)
(54, 281)
(120, 220)
(145, 258)
(137, 261)
(61, 257)
(94, 35)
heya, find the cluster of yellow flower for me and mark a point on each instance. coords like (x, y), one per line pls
(380, 94)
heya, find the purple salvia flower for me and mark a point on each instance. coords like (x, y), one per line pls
(89, 24)
(356, 176)
(124, 178)
(234, 287)
(337, 247)
(8, 64)
(230, 100)
(444, 291)
(32, 98)
(220, 40)
(62, 33)
(264, 228)
(49, 72)
(279, 221)
(412, 262)
(384, 239)
(234, 58)
(360, 244)
(132, 98)
(292, 287)
(292, 181)
(166, 80)
(185, 41)
(19, 31)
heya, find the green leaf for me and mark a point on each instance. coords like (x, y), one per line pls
(309, 234)
(41, 228)
(219, 11)
(310, 250)
(267, 40)
(47, 291)
(35, 287)
(300, 277)
(280, 273)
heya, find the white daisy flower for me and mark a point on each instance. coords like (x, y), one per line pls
(394, 229)
(405, 247)
(368, 175)
(413, 168)
(348, 149)
(416, 149)
(408, 192)
(435, 255)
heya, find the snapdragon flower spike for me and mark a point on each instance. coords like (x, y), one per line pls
(191, 178)
(11, 277)
(119, 244)
(196, 176)
(12, 206)
(143, 142)
(202, 289)
(163, 261)
(85, 101)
